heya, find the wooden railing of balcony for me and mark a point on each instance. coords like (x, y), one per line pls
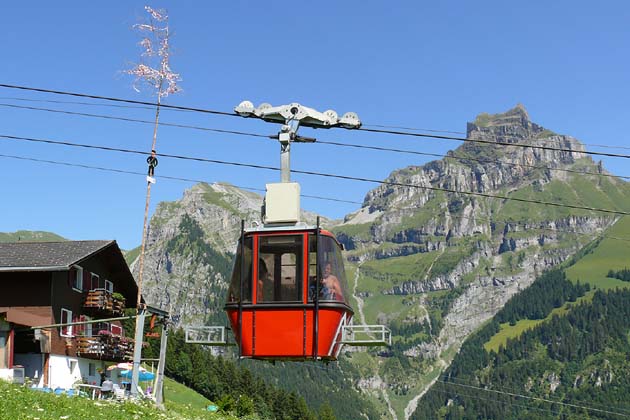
(100, 301)
(105, 347)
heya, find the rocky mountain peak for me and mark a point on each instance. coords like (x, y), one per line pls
(481, 166)
(517, 116)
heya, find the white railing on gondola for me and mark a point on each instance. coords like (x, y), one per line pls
(209, 335)
(366, 335)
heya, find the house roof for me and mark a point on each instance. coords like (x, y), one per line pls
(61, 256)
(25, 256)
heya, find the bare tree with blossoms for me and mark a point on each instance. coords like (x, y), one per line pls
(154, 71)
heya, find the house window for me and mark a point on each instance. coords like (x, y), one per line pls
(116, 330)
(77, 278)
(109, 286)
(91, 369)
(66, 317)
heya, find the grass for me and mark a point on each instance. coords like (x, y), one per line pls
(395, 270)
(592, 268)
(21, 403)
(435, 206)
(610, 254)
(177, 395)
(132, 254)
(217, 198)
(30, 236)
(359, 230)
(510, 331)
(381, 305)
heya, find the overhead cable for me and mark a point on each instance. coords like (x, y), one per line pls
(517, 395)
(528, 226)
(373, 130)
(332, 143)
(174, 178)
(503, 388)
(606, 146)
(135, 120)
(129, 101)
(320, 174)
(500, 143)
(504, 402)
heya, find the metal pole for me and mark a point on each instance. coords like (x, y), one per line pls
(137, 351)
(241, 293)
(93, 321)
(285, 161)
(159, 397)
(317, 280)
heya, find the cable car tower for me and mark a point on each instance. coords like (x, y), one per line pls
(288, 297)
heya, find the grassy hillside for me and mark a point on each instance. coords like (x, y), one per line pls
(132, 254)
(30, 236)
(180, 398)
(18, 402)
(612, 253)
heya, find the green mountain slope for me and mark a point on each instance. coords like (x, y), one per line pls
(557, 350)
(30, 236)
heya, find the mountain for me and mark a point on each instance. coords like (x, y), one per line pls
(30, 236)
(433, 265)
(436, 265)
(190, 246)
(556, 350)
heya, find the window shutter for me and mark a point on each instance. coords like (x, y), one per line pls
(72, 273)
(87, 280)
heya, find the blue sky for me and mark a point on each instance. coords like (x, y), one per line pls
(430, 65)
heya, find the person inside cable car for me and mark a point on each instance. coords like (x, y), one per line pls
(263, 281)
(331, 286)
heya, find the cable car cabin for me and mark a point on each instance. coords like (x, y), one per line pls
(286, 314)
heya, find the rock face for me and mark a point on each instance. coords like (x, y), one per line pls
(190, 246)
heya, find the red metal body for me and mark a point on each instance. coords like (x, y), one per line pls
(306, 327)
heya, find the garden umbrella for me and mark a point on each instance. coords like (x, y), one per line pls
(124, 366)
(143, 375)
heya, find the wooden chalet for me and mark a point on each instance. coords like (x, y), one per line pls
(46, 283)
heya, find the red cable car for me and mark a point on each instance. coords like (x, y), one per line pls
(286, 314)
(288, 297)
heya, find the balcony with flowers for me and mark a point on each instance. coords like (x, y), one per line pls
(104, 344)
(102, 302)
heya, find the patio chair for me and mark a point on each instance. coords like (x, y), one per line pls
(119, 393)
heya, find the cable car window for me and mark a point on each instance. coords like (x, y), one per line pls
(279, 269)
(234, 294)
(333, 277)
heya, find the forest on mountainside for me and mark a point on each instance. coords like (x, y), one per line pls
(572, 366)
(620, 274)
(231, 386)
